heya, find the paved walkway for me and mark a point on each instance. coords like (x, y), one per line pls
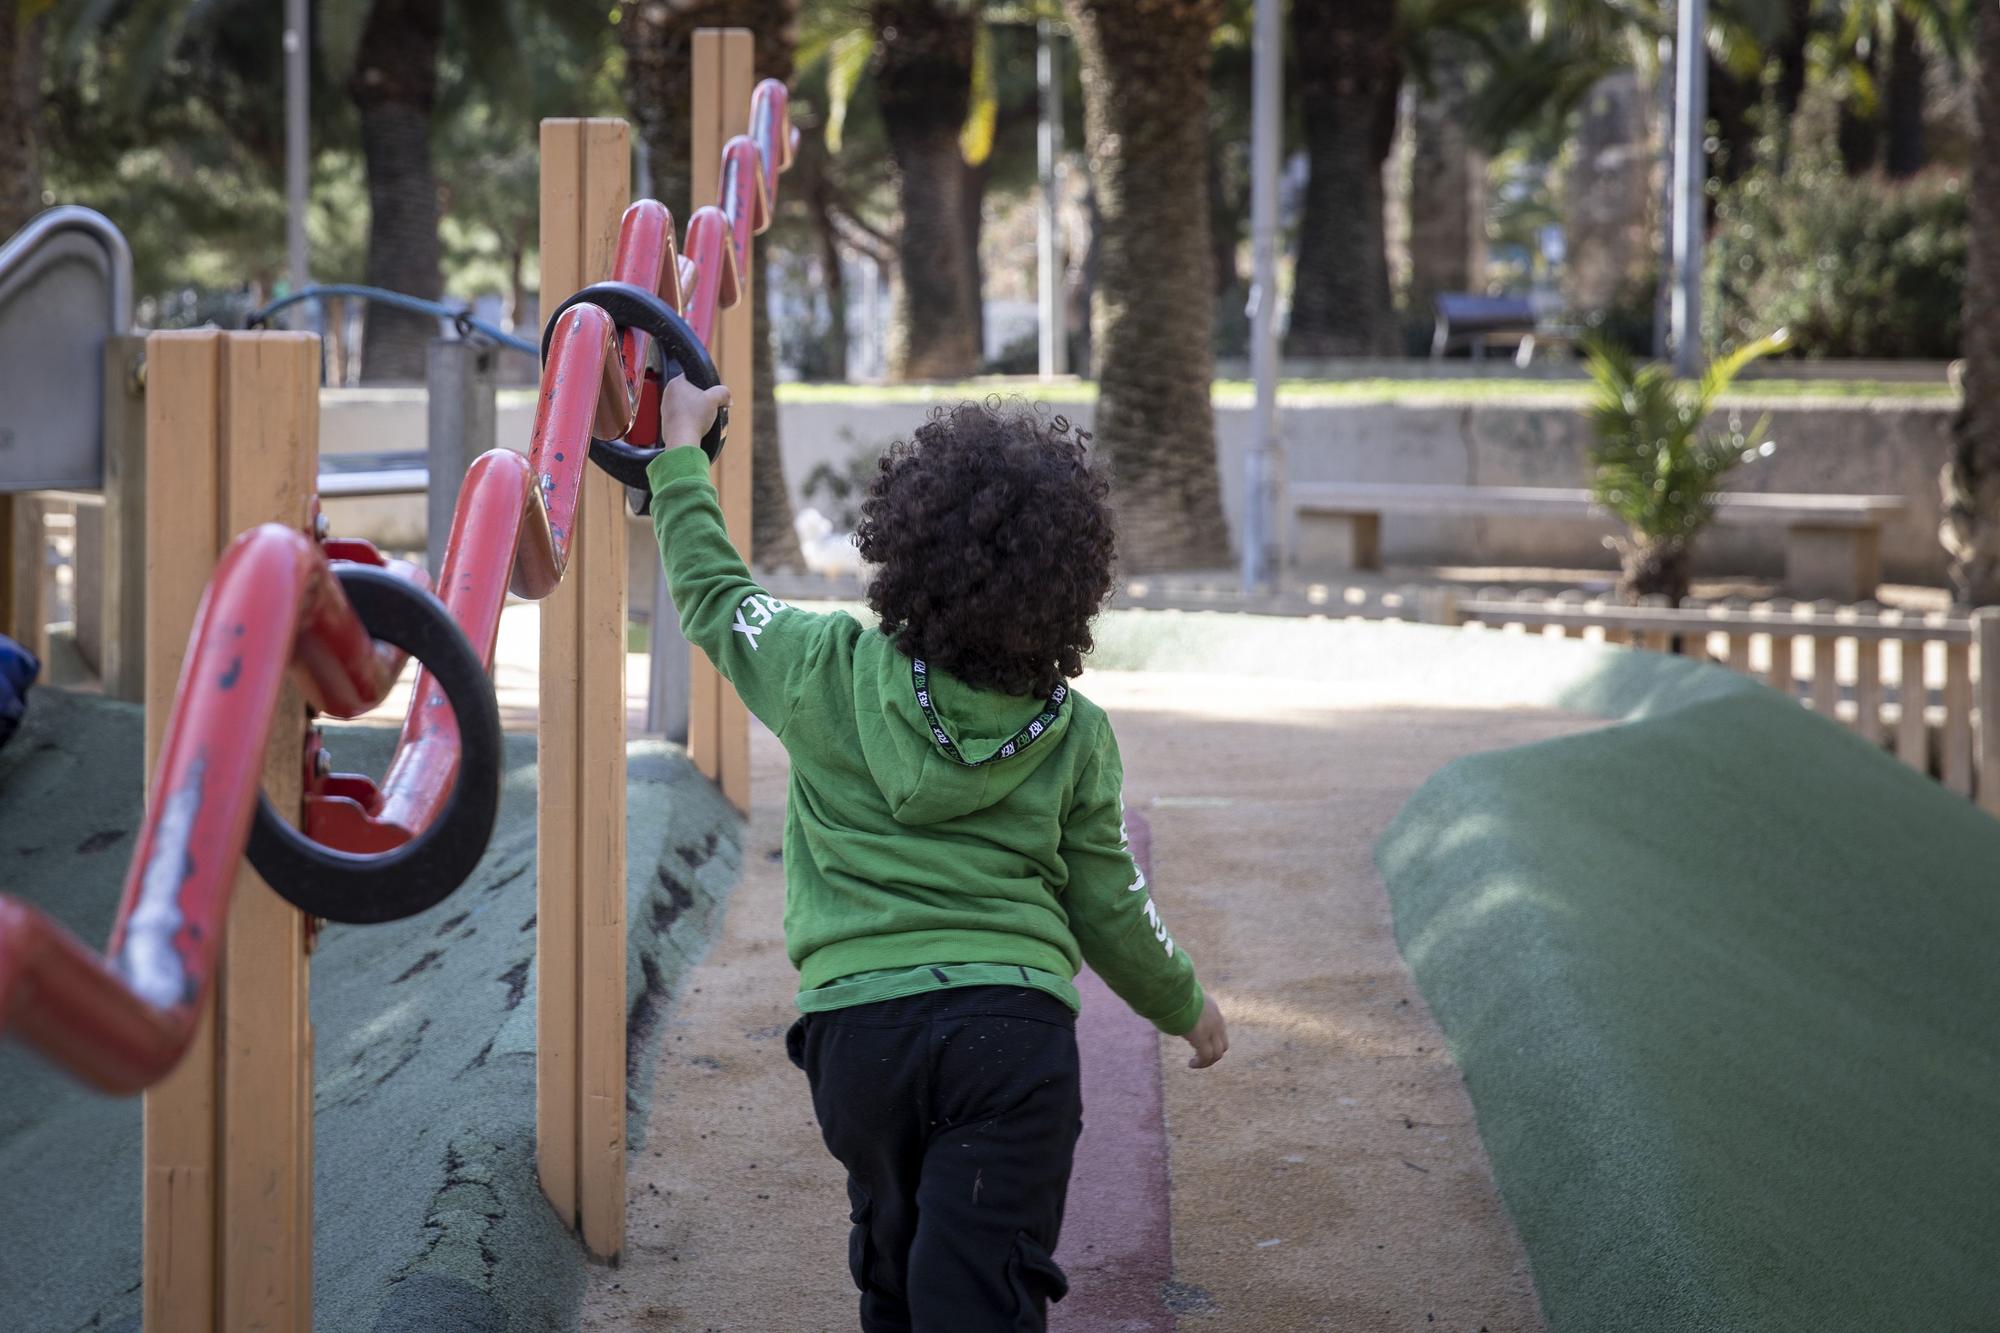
(1326, 1175)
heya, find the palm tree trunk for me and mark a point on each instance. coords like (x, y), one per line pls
(972, 212)
(659, 87)
(833, 281)
(1447, 230)
(1971, 481)
(923, 83)
(1145, 94)
(394, 87)
(1349, 75)
(1857, 133)
(20, 119)
(1903, 119)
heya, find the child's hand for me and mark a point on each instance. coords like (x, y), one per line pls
(686, 412)
(1209, 1036)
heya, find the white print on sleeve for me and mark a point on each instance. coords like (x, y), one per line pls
(762, 607)
(1138, 885)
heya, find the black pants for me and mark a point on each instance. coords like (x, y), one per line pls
(956, 1114)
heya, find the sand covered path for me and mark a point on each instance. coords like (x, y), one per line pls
(1326, 1175)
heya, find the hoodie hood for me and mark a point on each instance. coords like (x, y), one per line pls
(998, 739)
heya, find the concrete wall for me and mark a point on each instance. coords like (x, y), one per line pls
(1883, 447)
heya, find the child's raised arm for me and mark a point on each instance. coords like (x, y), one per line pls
(764, 647)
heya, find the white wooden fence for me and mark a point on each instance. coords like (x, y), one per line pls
(1910, 682)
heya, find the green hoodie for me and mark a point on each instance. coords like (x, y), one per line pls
(987, 847)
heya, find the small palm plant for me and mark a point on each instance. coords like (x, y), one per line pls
(1656, 465)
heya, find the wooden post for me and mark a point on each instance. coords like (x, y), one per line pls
(1955, 763)
(234, 418)
(1986, 634)
(580, 837)
(24, 568)
(723, 76)
(123, 607)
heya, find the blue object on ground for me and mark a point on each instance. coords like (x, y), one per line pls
(18, 669)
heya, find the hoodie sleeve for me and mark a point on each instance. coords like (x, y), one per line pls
(1111, 910)
(764, 647)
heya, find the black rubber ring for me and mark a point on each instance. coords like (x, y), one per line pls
(388, 886)
(680, 353)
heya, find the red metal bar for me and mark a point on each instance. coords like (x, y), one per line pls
(646, 259)
(744, 197)
(714, 285)
(121, 1022)
(771, 127)
(274, 607)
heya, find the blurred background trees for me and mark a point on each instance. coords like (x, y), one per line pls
(1432, 146)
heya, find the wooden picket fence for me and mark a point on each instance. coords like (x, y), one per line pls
(1913, 683)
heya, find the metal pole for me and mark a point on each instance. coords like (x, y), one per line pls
(298, 164)
(1048, 240)
(1267, 75)
(462, 425)
(1690, 172)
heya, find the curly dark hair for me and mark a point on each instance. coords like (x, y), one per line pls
(994, 542)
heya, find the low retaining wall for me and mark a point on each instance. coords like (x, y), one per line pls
(1825, 445)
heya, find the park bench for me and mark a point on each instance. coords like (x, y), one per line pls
(1832, 542)
(1464, 320)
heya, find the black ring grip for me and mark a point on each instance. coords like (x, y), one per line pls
(388, 886)
(680, 353)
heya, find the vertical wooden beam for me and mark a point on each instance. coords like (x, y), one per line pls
(1986, 635)
(228, 1136)
(1868, 689)
(580, 857)
(270, 458)
(182, 1116)
(1913, 744)
(1956, 763)
(26, 619)
(704, 182)
(736, 363)
(723, 77)
(124, 606)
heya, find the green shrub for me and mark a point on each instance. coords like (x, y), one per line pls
(1655, 462)
(1853, 266)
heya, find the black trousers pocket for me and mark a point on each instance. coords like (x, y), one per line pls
(1037, 1280)
(795, 1041)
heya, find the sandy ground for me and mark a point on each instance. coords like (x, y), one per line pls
(1325, 1176)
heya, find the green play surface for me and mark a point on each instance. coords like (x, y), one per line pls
(1722, 983)
(428, 1215)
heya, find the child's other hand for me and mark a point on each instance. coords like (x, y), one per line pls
(1209, 1037)
(686, 412)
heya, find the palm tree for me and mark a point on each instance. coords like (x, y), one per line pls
(659, 88)
(1145, 92)
(1656, 464)
(923, 68)
(394, 86)
(1349, 72)
(1971, 481)
(20, 114)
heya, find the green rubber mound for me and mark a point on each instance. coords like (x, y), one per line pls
(1722, 983)
(428, 1215)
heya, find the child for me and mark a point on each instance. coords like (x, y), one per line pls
(954, 843)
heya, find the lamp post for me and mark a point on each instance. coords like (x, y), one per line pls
(1267, 76)
(1690, 171)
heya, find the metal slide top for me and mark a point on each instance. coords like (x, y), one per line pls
(278, 605)
(65, 287)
